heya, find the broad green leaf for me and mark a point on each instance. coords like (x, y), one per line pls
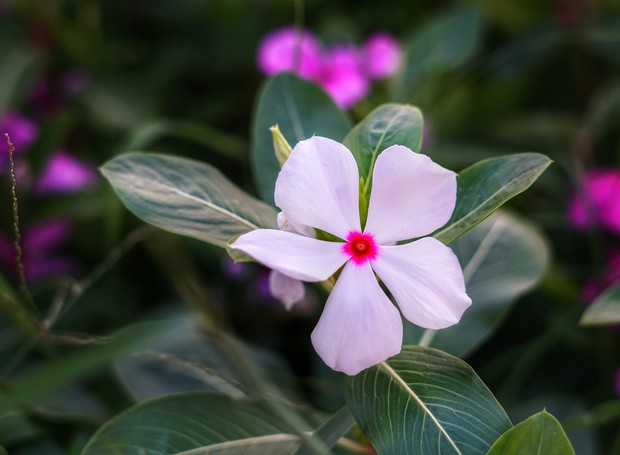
(425, 401)
(442, 44)
(540, 434)
(186, 197)
(502, 258)
(194, 423)
(181, 358)
(334, 428)
(302, 110)
(604, 310)
(387, 125)
(53, 376)
(15, 65)
(486, 185)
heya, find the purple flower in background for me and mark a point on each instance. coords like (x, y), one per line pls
(342, 76)
(617, 382)
(41, 243)
(23, 133)
(74, 81)
(598, 203)
(288, 50)
(344, 71)
(381, 56)
(64, 173)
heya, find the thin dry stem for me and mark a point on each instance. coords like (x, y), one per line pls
(23, 284)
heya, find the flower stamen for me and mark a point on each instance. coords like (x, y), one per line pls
(360, 247)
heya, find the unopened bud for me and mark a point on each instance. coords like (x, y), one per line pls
(281, 147)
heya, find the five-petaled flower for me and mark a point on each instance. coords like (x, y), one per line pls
(318, 187)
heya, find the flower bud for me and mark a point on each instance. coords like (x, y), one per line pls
(281, 147)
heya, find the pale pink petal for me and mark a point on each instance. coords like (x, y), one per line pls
(294, 255)
(287, 49)
(359, 326)
(318, 187)
(342, 76)
(284, 224)
(287, 290)
(426, 281)
(411, 196)
(382, 55)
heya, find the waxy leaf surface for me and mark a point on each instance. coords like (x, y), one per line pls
(302, 110)
(483, 187)
(605, 309)
(194, 423)
(425, 401)
(186, 197)
(540, 434)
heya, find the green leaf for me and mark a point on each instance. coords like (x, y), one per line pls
(332, 429)
(186, 197)
(604, 310)
(540, 434)
(196, 423)
(302, 110)
(502, 258)
(387, 125)
(486, 185)
(425, 401)
(53, 376)
(182, 358)
(443, 44)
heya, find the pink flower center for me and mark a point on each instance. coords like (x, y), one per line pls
(360, 247)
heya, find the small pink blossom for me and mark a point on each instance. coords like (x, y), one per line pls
(617, 383)
(411, 197)
(598, 203)
(287, 49)
(343, 71)
(381, 56)
(342, 76)
(64, 173)
(23, 133)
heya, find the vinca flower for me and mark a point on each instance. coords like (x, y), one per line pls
(598, 204)
(64, 173)
(411, 197)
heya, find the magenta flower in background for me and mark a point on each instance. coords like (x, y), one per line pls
(617, 382)
(342, 76)
(411, 197)
(381, 56)
(64, 173)
(344, 71)
(598, 204)
(280, 51)
(41, 245)
(23, 133)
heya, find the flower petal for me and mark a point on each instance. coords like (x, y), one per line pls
(287, 290)
(359, 326)
(411, 196)
(426, 281)
(318, 186)
(294, 255)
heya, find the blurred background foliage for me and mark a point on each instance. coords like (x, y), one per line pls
(492, 77)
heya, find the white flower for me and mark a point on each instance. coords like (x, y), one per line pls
(411, 197)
